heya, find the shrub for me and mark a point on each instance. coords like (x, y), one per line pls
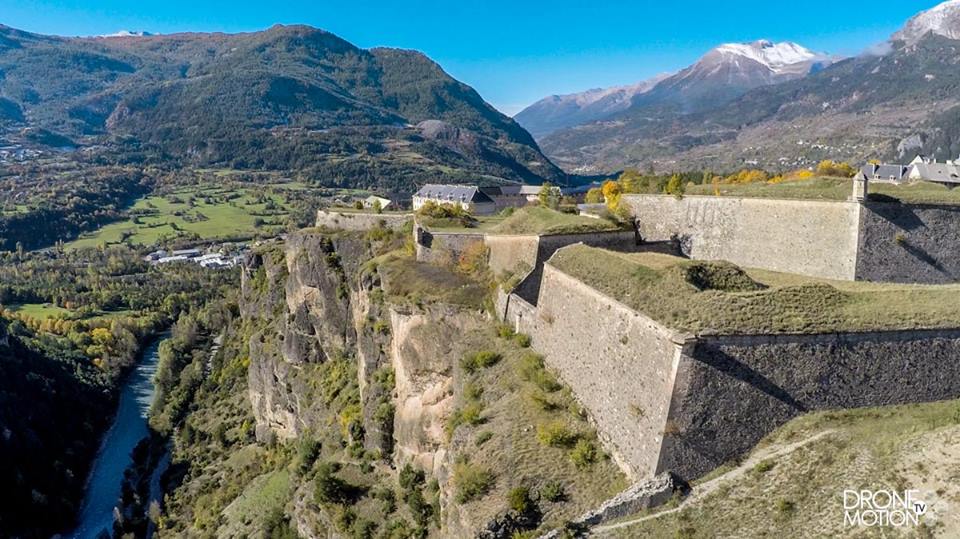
(533, 370)
(419, 508)
(519, 500)
(556, 434)
(472, 391)
(836, 168)
(471, 482)
(785, 508)
(764, 466)
(483, 438)
(388, 497)
(411, 477)
(474, 258)
(553, 492)
(381, 327)
(584, 454)
(480, 360)
(330, 488)
(471, 414)
(505, 331)
(522, 340)
(541, 400)
(307, 454)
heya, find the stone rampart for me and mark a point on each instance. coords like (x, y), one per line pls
(731, 391)
(909, 243)
(815, 238)
(347, 220)
(619, 363)
(667, 401)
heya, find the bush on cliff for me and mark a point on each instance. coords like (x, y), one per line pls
(556, 434)
(471, 482)
(479, 360)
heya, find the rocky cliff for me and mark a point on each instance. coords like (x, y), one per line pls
(360, 351)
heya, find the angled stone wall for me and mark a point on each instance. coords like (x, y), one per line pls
(815, 238)
(666, 401)
(731, 391)
(619, 363)
(909, 243)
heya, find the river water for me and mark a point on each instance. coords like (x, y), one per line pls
(129, 427)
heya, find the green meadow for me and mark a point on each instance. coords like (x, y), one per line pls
(196, 212)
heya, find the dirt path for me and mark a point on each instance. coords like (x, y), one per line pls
(701, 491)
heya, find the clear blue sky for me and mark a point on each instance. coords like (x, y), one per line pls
(512, 51)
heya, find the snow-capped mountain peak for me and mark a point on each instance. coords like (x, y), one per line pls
(781, 58)
(942, 19)
(127, 33)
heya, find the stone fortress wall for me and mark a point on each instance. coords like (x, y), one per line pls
(663, 400)
(909, 243)
(519, 255)
(869, 240)
(814, 238)
(355, 220)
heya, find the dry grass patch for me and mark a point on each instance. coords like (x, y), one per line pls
(719, 297)
(799, 494)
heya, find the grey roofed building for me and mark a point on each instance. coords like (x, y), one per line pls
(454, 193)
(892, 173)
(936, 172)
(468, 197)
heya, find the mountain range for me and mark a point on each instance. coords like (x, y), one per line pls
(781, 106)
(723, 73)
(289, 98)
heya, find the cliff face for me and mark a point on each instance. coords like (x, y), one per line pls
(316, 304)
(362, 351)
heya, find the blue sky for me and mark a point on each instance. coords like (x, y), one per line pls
(512, 52)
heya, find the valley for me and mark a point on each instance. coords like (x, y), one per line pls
(279, 284)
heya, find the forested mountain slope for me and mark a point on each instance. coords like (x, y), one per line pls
(291, 97)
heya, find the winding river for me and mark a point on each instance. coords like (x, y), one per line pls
(129, 427)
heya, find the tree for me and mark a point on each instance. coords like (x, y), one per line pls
(829, 167)
(549, 196)
(674, 186)
(611, 193)
(594, 196)
(631, 180)
(377, 206)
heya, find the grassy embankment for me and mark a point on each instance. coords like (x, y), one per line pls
(833, 189)
(718, 297)
(204, 212)
(800, 492)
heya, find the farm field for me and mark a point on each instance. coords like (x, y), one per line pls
(43, 311)
(40, 311)
(198, 213)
